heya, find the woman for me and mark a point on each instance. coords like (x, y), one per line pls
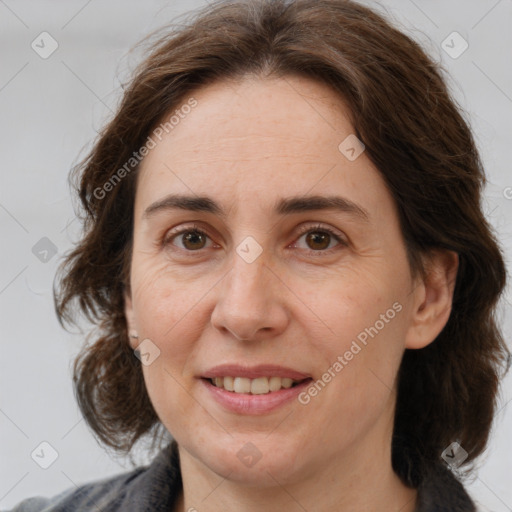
(283, 224)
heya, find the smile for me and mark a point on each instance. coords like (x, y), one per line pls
(258, 386)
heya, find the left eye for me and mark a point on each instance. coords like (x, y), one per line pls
(319, 239)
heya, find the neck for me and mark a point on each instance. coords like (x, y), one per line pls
(361, 478)
(327, 494)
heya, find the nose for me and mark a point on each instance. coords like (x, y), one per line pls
(250, 305)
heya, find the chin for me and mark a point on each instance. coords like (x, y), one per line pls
(264, 472)
(251, 459)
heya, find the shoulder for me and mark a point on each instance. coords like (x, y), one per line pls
(441, 491)
(154, 487)
(91, 496)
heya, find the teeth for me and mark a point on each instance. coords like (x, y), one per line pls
(259, 386)
(242, 385)
(286, 383)
(228, 384)
(274, 383)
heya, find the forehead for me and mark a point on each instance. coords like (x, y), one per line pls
(257, 137)
(267, 114)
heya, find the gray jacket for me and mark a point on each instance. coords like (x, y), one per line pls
(155, 488)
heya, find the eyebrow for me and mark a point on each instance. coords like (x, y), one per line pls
(284, 206)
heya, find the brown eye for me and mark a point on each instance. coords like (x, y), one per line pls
(318, 240)
(193, 240)
(187, 239)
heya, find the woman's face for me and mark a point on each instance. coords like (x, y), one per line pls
(267, 255)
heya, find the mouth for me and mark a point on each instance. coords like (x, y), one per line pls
(253, 390)
(257, 386)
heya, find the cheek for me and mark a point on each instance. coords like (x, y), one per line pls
(160, 300)
(169, 310)
(364, 340)
(358, 304)
(360, 360)
(166, 311)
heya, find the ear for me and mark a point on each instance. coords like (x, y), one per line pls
(433, 296)
(130, 320)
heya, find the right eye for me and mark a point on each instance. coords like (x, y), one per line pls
(192, 238)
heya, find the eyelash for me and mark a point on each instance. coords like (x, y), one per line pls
(169, 237)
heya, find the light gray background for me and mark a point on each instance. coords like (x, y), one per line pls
(51, 108)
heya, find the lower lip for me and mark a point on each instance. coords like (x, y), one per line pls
(242, 403)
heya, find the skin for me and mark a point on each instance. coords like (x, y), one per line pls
(300, 304)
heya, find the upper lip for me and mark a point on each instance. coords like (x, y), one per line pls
(253, 372)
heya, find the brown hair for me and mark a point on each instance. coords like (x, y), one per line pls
(414, 134)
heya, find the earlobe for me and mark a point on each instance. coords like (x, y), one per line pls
(433, 299)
